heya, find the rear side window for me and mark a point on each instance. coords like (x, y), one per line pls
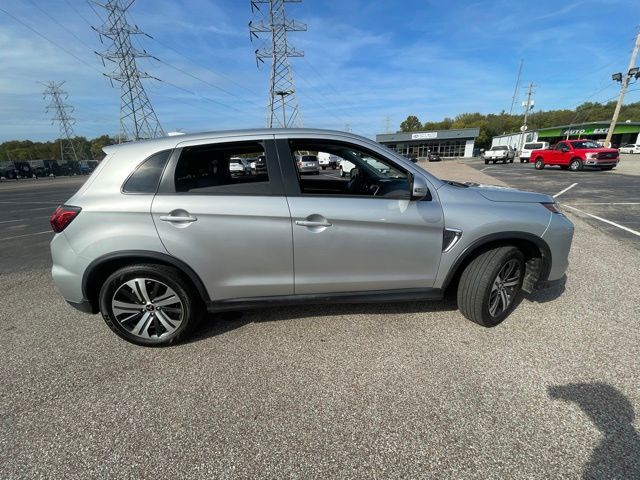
(206, 169)
(146, 177)
(533, 146)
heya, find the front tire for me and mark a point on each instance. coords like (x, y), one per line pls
(490, 285)
(342, 174)
(149, 305)
(575, 165)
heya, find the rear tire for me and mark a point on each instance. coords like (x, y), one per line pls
(539, 163)
(149, 305)
(490, 285)
(486, 162)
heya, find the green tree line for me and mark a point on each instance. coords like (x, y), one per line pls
(20, 150)
(498, 124)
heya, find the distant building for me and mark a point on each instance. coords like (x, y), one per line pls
(625, 132)
(447, 143)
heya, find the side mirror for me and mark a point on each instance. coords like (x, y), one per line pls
(419, 188)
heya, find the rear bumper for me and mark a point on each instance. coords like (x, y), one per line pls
(67, 270)
(83, 306)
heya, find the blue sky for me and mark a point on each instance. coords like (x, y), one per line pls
(364, 60)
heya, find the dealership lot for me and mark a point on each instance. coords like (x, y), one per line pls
(396, 390)
(612, 196)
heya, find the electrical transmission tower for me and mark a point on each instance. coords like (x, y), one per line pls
(62, 115)
(283, 106)
(137, 117)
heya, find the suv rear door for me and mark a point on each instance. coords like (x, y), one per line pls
(234, 231)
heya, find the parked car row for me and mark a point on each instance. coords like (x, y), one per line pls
(572, 155)
(45, 168)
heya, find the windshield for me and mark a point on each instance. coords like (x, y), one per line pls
(585, 144)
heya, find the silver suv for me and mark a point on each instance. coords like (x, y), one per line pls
(163, 231)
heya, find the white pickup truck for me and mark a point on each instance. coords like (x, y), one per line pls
(499, 153)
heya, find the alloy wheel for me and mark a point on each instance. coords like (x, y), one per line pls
(505, 287)
(147, 308)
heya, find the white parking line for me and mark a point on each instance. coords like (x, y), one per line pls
(626, 229)
(52, 202)
(22, 219)
(38, 233)
(565, 190)
(608, 203)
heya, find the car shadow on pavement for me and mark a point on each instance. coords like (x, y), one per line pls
(219, 323)
(618, 453)
(550, 292)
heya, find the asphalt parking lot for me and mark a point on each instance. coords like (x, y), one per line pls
(608, 200)
(340, 391)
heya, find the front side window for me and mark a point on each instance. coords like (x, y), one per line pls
(359, 172)
(223, 169)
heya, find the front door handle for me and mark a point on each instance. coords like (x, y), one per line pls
(173, 218)
(310, 223)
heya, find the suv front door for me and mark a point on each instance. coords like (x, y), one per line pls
(234, 231)
(352, 242)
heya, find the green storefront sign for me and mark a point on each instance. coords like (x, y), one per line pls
(587, 130)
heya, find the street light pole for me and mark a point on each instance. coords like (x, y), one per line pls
(624, 81)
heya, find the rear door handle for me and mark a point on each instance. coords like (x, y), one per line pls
(172, 218)
(309, 223)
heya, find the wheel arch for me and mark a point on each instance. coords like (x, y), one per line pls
(536, 251)
(100, 268)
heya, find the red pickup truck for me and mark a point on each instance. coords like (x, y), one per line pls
(576, 154)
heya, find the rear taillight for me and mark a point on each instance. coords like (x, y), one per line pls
(552, 207)
(63, 216)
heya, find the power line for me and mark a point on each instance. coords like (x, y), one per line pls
(59, 24)
(283, 106)
(138, 120)
(49, 40)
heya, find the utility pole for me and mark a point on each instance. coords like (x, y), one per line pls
(624, 79)
(138, 120)
(282, 96)
(515, 90)
(528, 105)
(62, 115)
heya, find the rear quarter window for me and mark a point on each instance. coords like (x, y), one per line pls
(146, 177)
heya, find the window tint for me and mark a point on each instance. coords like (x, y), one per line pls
(359, 172)
(533, 146)
(221, 169)
(147, 176)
